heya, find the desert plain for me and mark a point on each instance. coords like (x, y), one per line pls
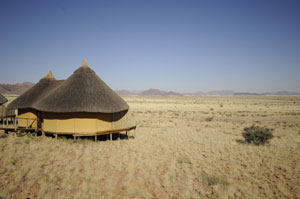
(184, 147)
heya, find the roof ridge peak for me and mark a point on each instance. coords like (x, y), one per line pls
(49, 75)
(84, 64)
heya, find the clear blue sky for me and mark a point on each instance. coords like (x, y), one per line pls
(174, 45)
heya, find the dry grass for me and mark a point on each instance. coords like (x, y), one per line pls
(178, 153)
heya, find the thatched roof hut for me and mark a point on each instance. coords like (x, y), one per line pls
(3, 110)
(81, 105)
(25, 103)
(83, 91)
(35, 93)
(2, 99)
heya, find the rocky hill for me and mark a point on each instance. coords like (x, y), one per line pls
(15, 89)
(158, 92)
(19, 88)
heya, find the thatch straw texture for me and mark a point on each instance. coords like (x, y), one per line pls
(123, 120)
(36, 93)
(2, 99)
(83, 91)
(4, 112)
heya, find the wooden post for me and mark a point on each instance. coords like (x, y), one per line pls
(16, 118)
(74, 137)
(26, 123)
(15, 124)
(36, 127)
(110, 137)
(6, 122)
(95, 138)
(55, 136)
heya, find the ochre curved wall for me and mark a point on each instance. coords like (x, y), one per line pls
(72, 123)
(27, 117)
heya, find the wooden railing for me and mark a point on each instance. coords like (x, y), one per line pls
(14, 121)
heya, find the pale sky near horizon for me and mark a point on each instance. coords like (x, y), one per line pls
(178, 45)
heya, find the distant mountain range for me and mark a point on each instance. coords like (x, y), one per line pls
(282, 93)
(19, 88)
(158, 92)
(15, 89)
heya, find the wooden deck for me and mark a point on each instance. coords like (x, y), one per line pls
(12, 128)
(11, 124)
(107, 132)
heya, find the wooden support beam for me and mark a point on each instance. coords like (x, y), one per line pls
(110, 137)
(16, 119)
(95, 138)
(15, 123)
(55, 136)
(74, 137)
(36, 127)
(26, 123)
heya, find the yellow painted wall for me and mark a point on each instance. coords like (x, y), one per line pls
(83, 123)
(27, 113)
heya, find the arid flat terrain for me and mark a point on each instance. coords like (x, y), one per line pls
(185, 147)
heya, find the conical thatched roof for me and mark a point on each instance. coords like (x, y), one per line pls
(83, 91)
(2, 99)
(36, 93)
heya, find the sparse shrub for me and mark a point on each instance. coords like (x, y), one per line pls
(211, 180)
(184, 159)
(12, 189)
(257, 135)
(209, 119)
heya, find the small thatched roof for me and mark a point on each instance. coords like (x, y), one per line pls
(34, 94)
(83, 91)
(2, 99)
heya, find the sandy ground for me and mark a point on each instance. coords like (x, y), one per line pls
(185, 147)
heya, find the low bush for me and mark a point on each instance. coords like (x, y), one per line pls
(209, 119)
(257, 135)
(184, 159)
(211, 180)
